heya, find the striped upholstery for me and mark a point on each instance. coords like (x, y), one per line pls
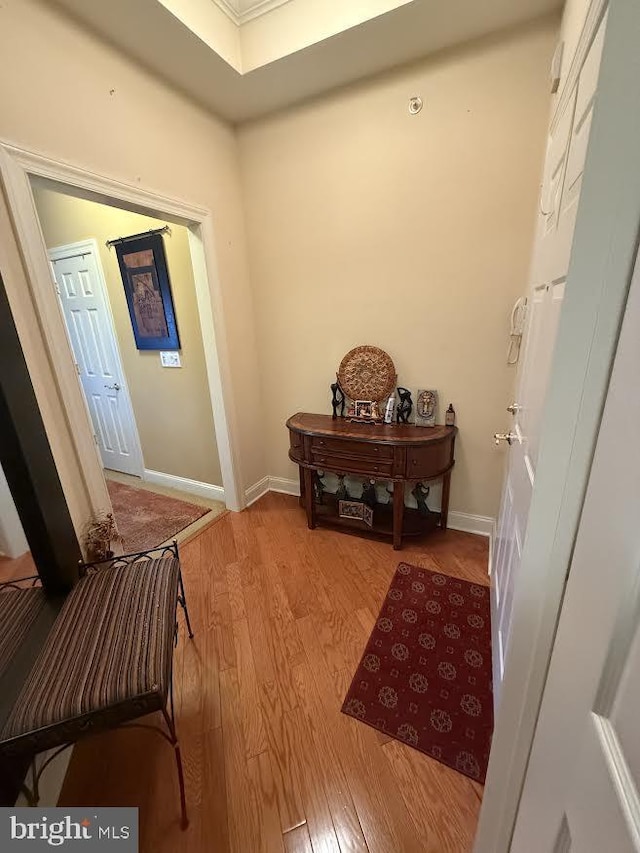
(106, 660)
(19, 611)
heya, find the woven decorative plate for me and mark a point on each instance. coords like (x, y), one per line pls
(367, 373)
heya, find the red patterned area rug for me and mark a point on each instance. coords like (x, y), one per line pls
(425, 676)
(146, 519)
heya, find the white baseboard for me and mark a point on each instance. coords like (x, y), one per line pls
(255, 492)
(195, 487)
(482, 525)
(271, 484)
(284, 486)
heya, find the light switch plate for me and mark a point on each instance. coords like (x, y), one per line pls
(170, 359)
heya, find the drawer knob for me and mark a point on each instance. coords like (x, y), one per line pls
(321, 460)
(415, 462)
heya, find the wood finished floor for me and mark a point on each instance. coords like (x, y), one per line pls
(20, 567)
(281, 616)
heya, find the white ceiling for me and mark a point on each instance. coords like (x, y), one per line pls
(176, 52)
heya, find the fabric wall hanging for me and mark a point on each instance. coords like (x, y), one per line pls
(143, 266)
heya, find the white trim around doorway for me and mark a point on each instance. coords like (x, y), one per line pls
(17, 166)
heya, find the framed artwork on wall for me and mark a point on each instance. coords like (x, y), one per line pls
(145, 276)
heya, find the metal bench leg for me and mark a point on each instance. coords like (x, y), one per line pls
(173, 738)
(32, 794)
(182, 601)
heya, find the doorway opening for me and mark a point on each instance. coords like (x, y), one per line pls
(150, 411)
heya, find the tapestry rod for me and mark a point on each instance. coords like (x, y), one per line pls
(164, 230)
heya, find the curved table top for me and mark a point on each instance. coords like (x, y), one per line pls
(394, 434)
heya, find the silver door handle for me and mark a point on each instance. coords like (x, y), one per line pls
(114, 387)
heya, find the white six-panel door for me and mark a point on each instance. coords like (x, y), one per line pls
(80, 287)
(564, 165)
(581, 791)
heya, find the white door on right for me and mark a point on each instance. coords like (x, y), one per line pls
(581, 791)
(564, 166)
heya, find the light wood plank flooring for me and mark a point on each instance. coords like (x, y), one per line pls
(281, 616)
(20, 567)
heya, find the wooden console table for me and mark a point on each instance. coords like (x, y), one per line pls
(400, 453)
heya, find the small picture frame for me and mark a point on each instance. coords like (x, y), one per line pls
(367, 515)
(351, 509)
(365, 411)
(426, 407)
(362, 409)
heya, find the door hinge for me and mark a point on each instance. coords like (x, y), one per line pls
(95, 438)
(77, 368)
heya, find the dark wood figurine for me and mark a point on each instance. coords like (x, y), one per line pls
(421, 493)
(405, 406)
(318, 487)
(369, 494)
(341, 492)
(337, 400)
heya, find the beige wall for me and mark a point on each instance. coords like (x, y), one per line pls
(367, 225)
(172, 406)
(66, 94)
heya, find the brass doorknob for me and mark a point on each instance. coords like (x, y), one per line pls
(513, 408)
(504, 436)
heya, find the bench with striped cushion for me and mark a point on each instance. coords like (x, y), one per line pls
(106, 661)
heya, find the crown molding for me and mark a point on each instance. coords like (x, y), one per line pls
(258, 9)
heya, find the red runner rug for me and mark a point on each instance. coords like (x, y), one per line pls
(425, 676)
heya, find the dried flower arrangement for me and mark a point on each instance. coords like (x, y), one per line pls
(100, 533)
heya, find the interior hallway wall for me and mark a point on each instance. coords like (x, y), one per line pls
(172, 406)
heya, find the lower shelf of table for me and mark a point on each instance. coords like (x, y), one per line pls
(414, 523)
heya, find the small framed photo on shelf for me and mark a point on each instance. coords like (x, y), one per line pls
(367, 411)
(367, 515)
(362, 408)
(351, 509)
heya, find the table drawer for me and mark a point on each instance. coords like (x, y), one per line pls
(428, 461)
(351, 448)
(353, 464)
